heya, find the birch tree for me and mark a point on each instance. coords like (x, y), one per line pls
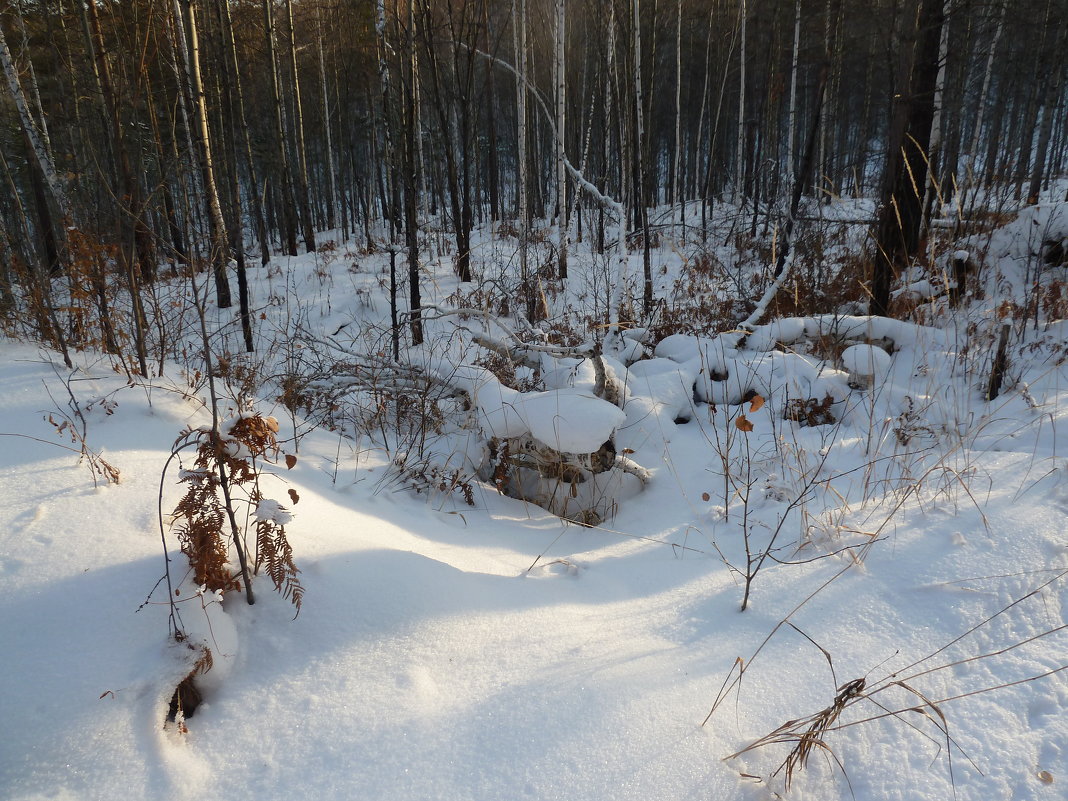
(561, 118)
(282, 171)
(897, 235)
(303, 203)
(33, 134)
(331, 188)
(219, 253)
(739, 154)
(519, 28)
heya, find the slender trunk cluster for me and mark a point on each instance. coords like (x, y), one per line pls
(422, 119)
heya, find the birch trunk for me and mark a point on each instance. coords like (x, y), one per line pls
(303, 203)
(519, 28)
(40, 152)
(331, 187)
(1052, 94)
(739, 155)
(791, 135)
(561, 118)
(255, 190)
(135, 239)
(233, 120)
(289, 228)
(216, 225)
(640, 198)
(676, 161)
(932, 191)
(411, 181)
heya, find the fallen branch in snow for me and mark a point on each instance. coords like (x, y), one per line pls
(554, 447)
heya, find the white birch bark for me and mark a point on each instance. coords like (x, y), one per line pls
(561, 119)
(35, 91)
(219, 250)
(739, 166)
(331, 187)
(678, 114)
(639, 133)
(298, 129)
(934, 147)
(980, 106)
(791, 136)
(519, 31)
(40, 152)
(416, 121)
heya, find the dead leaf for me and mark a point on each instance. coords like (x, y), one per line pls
(1045, 777)
(294, 497)
(291, 461)
(705, 497)
(756, 403)
(742, 423)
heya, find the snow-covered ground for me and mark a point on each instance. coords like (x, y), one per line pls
(494, 651)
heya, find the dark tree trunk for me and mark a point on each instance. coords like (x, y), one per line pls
(900, 223)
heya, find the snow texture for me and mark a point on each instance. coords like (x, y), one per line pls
(496, 652)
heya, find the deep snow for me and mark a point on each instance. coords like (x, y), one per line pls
(497, 652)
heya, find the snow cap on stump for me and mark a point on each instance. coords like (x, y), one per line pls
(865, 363)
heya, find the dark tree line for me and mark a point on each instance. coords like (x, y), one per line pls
(140, 134)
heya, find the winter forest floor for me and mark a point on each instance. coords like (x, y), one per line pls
(456, 643)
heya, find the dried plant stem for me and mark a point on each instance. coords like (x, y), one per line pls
(224, 483)
(209, 369)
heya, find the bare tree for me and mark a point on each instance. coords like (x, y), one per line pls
(219, 253)
(897, 236)
(281, 166)
(303, 203)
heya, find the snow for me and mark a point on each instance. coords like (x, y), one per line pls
(570, 421)
(866, 360)
(566, 419)
(495, 651)
(268, 509)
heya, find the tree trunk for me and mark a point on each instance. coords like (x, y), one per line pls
(216, 225)
(29, 127)
(791, 131)
(1053, 86)
(980, 106)
(331, 188)
(255, 189)
(288, 222)
(739, 153)
(519, 28)
(561, 119)
(135, 240)
(411, 184)
(298, 128)
(932, 192)
(897, 237)
(234, 121)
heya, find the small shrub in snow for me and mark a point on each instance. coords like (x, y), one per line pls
(225, 466)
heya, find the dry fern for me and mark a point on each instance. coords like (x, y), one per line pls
(225, 471)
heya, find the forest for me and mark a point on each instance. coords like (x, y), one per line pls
(548, 399)
(142, 137)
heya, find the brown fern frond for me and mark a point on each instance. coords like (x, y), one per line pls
(206, 526)
(276, 557)
(258, 434)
